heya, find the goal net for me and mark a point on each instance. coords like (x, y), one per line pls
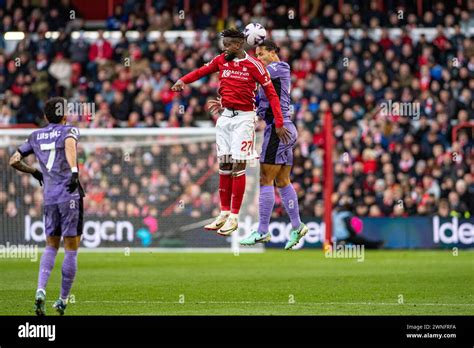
(145, 188)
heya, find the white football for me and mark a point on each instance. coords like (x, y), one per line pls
(255, 33)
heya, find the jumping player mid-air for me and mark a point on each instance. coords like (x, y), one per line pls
(276, 158)
(239, 75)
(55, 147)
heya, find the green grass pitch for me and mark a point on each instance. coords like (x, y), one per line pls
(276, 282)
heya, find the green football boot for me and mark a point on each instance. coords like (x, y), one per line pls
(255, 238)
(296, 235)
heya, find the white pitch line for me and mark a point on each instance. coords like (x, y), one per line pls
(275, 303)
(159, 250)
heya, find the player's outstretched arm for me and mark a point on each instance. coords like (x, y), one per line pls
(16, 161)
(71, 157)
(197, 74)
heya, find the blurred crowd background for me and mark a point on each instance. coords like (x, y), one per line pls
(386, 164)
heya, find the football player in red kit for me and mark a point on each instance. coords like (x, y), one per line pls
(239, 75)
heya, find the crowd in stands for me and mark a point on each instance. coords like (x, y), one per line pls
(151, 180)
(36, 16)
(386, 163)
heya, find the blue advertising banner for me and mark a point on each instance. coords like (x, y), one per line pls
(397, 232)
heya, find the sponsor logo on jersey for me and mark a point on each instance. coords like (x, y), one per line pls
(235, 74)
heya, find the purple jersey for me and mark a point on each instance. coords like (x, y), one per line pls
(48, 144)
(281, 79)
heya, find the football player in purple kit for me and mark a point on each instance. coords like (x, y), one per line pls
(276, 159)
(55, 147)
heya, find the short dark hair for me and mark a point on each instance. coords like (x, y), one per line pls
(270, 45)
(55, 109)
(233, 33)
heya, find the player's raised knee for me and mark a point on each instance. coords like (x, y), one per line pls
(265, 179)
(282, 182)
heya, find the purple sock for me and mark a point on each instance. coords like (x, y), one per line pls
(68, 271)
(46, 266)
(290, 201)
(266, 202)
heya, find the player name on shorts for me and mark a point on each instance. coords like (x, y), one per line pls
(37, 331)
(345, 251)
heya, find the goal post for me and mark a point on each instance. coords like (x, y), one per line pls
(146, 188)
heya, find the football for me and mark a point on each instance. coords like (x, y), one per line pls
(255, 33)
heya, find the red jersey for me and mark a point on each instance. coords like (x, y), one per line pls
(238, 80)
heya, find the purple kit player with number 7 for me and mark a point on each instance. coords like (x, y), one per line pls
(55, 147)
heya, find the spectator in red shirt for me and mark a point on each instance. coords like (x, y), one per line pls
(440, 41)
(369, 161)
(101, 49)
(121, 83)
(385, 41)
(99, 53)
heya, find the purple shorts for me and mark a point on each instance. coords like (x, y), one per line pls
(64, 219)
(275, 151)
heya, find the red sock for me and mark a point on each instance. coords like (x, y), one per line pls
(225, 189)
(238, 189)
